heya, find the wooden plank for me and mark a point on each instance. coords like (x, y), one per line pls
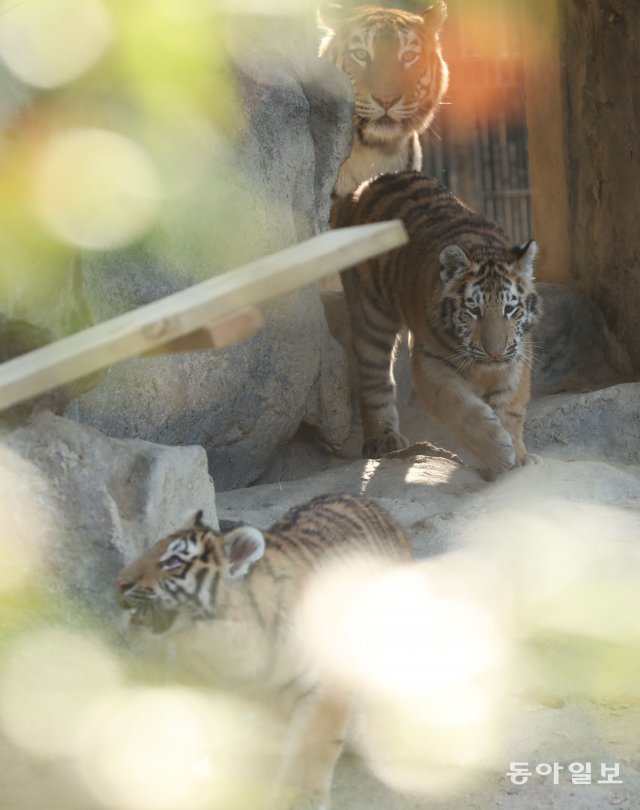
(229, 330)
(198, 307)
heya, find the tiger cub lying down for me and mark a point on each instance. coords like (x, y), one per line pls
(467, 296)
(242, 588)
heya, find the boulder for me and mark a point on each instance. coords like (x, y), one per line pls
(601, 424)
(77, 505)
(266, 190)
(574, 348)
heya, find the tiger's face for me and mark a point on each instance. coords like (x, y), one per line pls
(394, 61)
(184, 575)
(488, 306)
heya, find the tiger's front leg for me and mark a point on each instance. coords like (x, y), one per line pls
(377, 393)
(511, 408)
(448, 397)
(374, 335)
(317, 737)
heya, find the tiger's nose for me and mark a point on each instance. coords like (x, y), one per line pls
(386, 102)
(122, 585)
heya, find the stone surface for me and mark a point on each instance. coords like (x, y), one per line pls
(524, 545)
(574, 349)
(602, 424)
(239, 403)
(269, 189)
(78, 504)
(438, 500)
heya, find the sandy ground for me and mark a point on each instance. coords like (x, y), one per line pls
(440, 502)
(552, 714)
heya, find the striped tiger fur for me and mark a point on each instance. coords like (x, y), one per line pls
(242, 588)
(394, 60)
(466, 295)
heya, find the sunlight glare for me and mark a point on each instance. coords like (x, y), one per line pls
(22, 519)
(47, 43)
(49, 681)
(426, 657)
(95, 188)
(169, 748)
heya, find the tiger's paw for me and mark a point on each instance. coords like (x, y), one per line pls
(501, 459)
(384, 443)
(528, 459)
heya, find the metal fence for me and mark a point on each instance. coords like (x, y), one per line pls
(478, 143)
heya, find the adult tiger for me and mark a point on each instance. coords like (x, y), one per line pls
(395, 64)
(466, 295)
(237, 594)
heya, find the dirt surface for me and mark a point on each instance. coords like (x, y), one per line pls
(555, 712)
(549, 553)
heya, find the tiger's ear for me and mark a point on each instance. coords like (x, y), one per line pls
(242, 548)
(526, 257)
(453, 262)
(195, 521)
(330, 15)
(435, 16)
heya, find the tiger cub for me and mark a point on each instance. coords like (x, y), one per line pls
(467, 296)
(241, 590)
(399, 77)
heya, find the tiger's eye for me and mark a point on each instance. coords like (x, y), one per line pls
(171, 563)
(360, 55)
(409, 56)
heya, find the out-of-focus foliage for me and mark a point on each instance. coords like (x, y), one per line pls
(109, 112)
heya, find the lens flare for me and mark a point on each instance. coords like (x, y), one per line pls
(396, 632)
(166, 749)
(573, 567)
(47, 43)
(95, 188)
(181, 11)
(425, 656)
(49, 681)
(22, 519)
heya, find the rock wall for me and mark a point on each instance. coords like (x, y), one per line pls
(76, 505)
(276, 179)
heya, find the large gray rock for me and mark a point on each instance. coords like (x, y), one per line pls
(574, 348)
(240, 403)
(78, 505)
(266, 190)
(598, 424)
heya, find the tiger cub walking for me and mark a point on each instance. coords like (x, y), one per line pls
(237, 594)
(467, 296)
(399, 77)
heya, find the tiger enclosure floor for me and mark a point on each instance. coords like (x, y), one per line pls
(550, 553)
(574, 695)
